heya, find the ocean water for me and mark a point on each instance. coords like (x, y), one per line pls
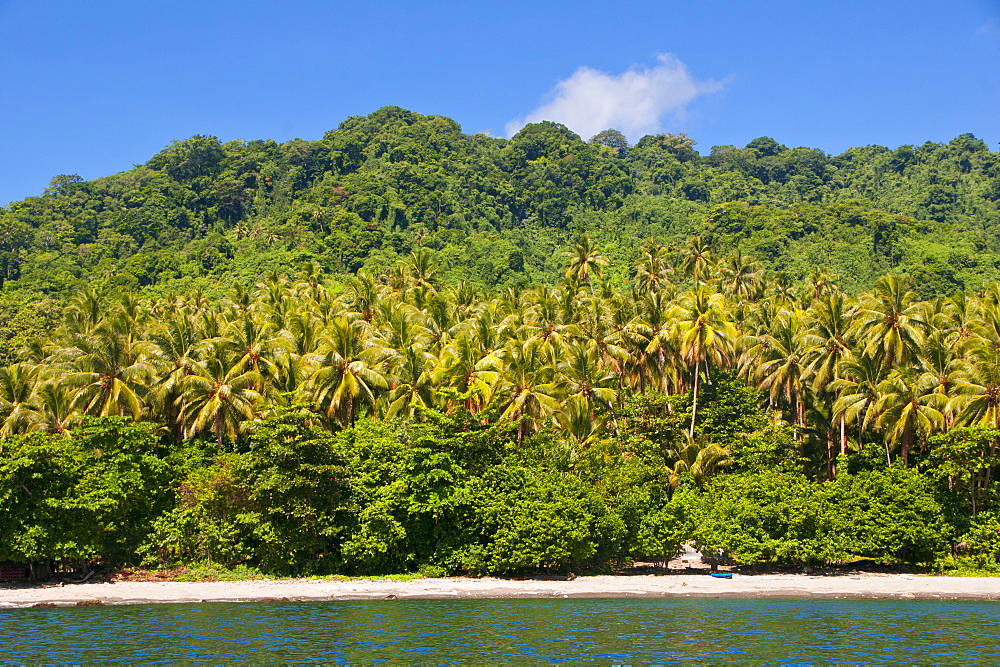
(605, 631)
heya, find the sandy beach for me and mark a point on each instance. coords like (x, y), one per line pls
(899, 586)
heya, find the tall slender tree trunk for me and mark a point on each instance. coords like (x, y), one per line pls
(843, 443)
(974, 507)
(694, 396)
(907, 445)
(989, 468)
(829, 455)
(663, 371)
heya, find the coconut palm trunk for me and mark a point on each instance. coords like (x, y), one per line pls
(694, 397)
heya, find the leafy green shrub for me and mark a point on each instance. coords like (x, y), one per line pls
(209, 571)
(982, 541)
(662, 531)
(432, 571)
(765, 517)
(889, 515)
(277, 505)
(212, 523)
(88, 496)
(522, 520)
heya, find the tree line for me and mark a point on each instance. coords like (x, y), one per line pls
(394, 421)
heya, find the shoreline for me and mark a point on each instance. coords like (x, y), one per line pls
(862, 586)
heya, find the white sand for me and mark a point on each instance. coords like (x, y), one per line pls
(673, 585)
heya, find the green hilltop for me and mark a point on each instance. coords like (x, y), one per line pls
(498, 212)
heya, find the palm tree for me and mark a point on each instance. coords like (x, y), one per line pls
(363, 294)
(828, 339)
(526, 382)
(655, 348)
(783, 289)
(942, 363)
(422, 268)
(549, 318)
(347, 371)
(857, 392)
(241, 298)
(131, 311)
(274, 295)
(976, 394)
(580, 374)
(175, 340)
(706, 336)
(491, 327)
(651, 267)
(960, 318)
(312, 280)
(465, 296)
(440, 322)
(175, 350)
(411, 386)
(511, 300)
(741, 275)
(111, 372)
(778, 363)
(820, 283)
(585, 260)
(219, 393)
(603, 325)
(304, 331)
(577, 420)
(697, 260)
(255, 345)
(889, 324)
(470, 370)
(53, 407)
(290, 372)
(211, 321)
(17, 389)
(698, 458)
(85, 312)
(400, 325)
(828, 345)
(571, 303)
(908, 409)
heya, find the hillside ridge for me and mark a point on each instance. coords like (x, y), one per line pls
(498, 212)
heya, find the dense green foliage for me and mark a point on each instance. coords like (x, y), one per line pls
(497, 210)
(457, 380)
(325, 428)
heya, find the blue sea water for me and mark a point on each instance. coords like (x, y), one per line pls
(605, 631)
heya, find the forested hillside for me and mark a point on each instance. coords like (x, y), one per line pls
(498, 212)
(405, 349)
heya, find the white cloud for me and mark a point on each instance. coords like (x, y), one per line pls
(634, 102)
(989, 29)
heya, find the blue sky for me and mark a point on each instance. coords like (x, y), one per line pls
(95, 87)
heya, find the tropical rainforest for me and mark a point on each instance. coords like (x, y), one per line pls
(402, 348)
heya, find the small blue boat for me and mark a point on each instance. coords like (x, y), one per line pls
(722, 575)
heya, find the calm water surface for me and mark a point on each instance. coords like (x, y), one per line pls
(440, 631)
